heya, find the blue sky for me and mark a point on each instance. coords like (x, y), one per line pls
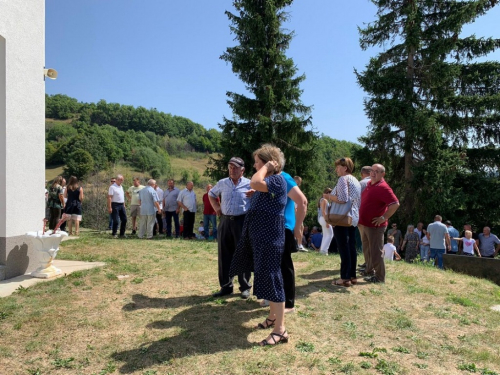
(164, 54)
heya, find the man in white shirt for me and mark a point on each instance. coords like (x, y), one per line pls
(116, 206)
(187, 201)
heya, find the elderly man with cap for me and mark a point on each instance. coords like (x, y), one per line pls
(234, 194)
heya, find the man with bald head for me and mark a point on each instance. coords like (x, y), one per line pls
(487, 242)
(148, 200)
(439, 239)
(378, 204)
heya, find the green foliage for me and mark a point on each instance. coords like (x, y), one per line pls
(273, 112)
(433, 108)
(79, 163)
(304, 347)
(60, 106)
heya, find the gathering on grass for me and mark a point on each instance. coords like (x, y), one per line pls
(249, 246)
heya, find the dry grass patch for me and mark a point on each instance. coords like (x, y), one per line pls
(150, 311)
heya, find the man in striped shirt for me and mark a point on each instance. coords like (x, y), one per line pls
(234, 194)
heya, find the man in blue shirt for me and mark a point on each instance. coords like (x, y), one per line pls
(148, 200)
(316, 238)
(234, 194)
(453, 232)
(440, 239)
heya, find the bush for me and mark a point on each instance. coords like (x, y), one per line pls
(79, 163)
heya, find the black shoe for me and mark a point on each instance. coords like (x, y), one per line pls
(373, 279)
(133, 232)
(123, 237)
(222, 293)
(362, 265)
(245, 294)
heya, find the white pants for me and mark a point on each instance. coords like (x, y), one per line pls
(146, 225)
(327, 236)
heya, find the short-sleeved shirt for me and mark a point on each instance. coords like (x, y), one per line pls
(438, 232)
(316, 240)
(170, 199)
(365, 181)
(487, 244)
(188, 199)
(453, 232)
(389, 250)
(207, 206)
(160, 196)
(375, 200)
(468, 245)
(116, 193)
(233, 199)
(134, 194)
(342, 191)
(397, 236)
(290, 205)
(148, 197)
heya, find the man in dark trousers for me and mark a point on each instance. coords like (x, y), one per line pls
(233, 193)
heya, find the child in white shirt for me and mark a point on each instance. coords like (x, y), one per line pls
(390, 250)
(469, 244)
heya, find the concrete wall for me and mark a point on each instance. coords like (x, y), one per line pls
(22, 124)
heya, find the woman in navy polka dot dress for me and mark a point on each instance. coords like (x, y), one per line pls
(263, 238)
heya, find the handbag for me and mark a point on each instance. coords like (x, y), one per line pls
(340, 214)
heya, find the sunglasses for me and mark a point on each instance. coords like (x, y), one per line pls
(113, 181)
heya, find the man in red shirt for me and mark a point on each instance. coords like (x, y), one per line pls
(378, 204)
(209, 215)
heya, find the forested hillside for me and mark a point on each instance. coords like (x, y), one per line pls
(89, 137)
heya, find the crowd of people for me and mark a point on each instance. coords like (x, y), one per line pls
(260, 225)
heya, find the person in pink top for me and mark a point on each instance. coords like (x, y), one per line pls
(378, 204)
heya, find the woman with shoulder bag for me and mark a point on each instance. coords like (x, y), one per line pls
(323, 208)
(346, 192)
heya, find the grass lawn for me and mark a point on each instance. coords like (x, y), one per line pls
(160, 319)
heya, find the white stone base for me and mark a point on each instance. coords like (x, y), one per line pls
(46, 273)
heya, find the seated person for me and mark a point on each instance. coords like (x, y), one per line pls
(316, 238)
(390, 250)
(201, 232)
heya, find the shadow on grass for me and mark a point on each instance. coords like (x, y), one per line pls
(323, 282)
(207, 326)
(140, 301)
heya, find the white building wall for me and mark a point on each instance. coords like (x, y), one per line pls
(22, 116)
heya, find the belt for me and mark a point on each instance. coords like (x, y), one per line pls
(116, 203)
(233, 217)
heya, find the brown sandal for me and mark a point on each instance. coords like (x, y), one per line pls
(354, 281)
(340, 282)
(268, 325)
(282, 339)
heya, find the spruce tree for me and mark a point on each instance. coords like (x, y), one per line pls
(433, 107)
(271, 111)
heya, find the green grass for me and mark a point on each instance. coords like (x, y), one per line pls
(161, 319)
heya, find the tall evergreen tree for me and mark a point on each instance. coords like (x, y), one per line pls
(434, 108)
(273, 111)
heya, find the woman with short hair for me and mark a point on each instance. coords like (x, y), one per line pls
(347, 188)
(263, 238)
